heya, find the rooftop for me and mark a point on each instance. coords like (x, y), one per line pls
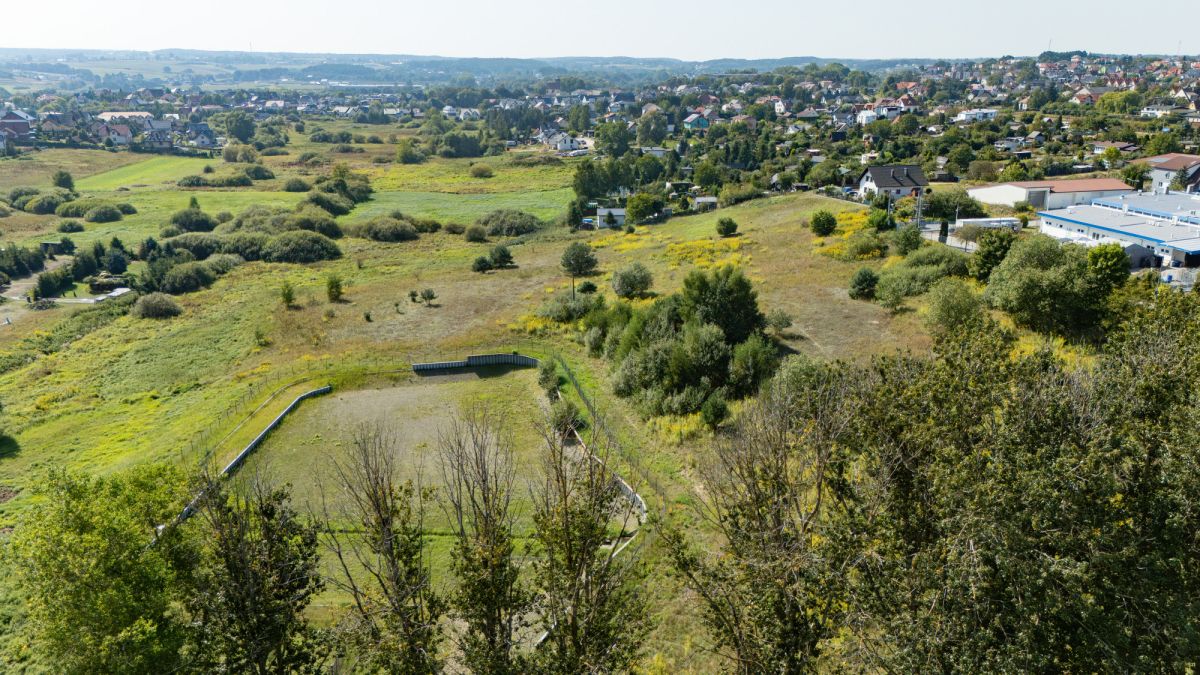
(1079, 185)
(1173, 205)
(1183, 237)
(1172, 162)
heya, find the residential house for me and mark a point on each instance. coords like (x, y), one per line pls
(977, 115)
(199, 135)
(1099, 147)
(1164, 169)
(124, 116)
(603, 215)
(748, 120)
(696, 122)
(896, 180)
(157, 140)
(115, 134)
(19, 123)
(1155, 112)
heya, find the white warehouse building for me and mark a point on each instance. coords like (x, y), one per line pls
(1050, 194)
(1166, 227)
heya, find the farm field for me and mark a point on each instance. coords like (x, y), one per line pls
(35, 168)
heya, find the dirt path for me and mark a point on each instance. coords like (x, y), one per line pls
(15, 305)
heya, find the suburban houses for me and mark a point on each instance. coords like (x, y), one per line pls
(895, 181)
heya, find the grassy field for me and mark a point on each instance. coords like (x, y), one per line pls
(36, 168)
(104, 393)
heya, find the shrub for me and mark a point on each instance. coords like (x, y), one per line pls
(863, 245)
(170, 231)
(548, 378)
(126, 208)
(246, 245)
(880, 220)
(192, 182)
(63, 180)
(103, 214)
(300, 246)
(156, 306)
(907, 239)
(259, 172)
(335, 204)
(481, 171)
(187, 277)
(224, 217)
(222, 263)
(565, 417)
(69, 226)
(44, 204)
(455, 228)
(726, 227)
(199, 244)
(314, 220)
(386, 228)
(823, 223)
(425, 225)
(953, 306)
(193, 220)
(509, 223)
(481, 264)
(587, 287)
(863, 283)
(77, 208)
(714, 411)
(287, 294)
(736, 194)
(296, 185)
(334, 288)
(476, 233)
(632, 281)
(500, 256)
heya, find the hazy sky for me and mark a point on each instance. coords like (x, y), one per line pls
(695, 29)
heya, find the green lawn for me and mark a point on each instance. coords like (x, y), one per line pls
(154, 172)
(36, 168)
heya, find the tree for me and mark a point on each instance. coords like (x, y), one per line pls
(1180, 181)
(652, 129)
(1047, 286)
(952, 205)
(1162, 144)
(394, 619)
(1013, 171)
(578, 260)
(334, 288)
(103, 589)
(239, 125)
(115, 262)
(261, 569)
(63, 180)
(478, 473)
(726, 227)
(613, 138)
(863, 283)
(428, 296)
(579, 119)
(725, 298)
(643, 206)
(823, 223)
(632, 281)
(1135, 175)
(991, 248)
(587, 597)
(407, 152)
(1108, 265)
(708, 175)
(287, 294)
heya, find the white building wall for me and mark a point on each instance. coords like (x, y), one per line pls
(999, 195)
(1061, 200)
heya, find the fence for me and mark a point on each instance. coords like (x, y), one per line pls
(253, 445)
(513, 359)
(262, 435)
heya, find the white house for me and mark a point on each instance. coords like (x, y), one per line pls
(899, 180)
(1049, 194)
(866, 117)
(976, 115)
(602, 217)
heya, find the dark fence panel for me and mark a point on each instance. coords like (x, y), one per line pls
(479, 361)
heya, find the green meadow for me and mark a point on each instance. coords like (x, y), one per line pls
(99, 392)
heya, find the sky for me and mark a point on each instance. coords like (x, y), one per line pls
(693, 30)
